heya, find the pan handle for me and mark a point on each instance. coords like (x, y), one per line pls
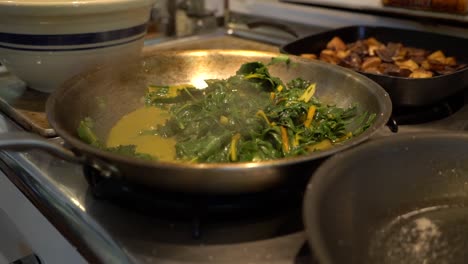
(392, 124)
(20, 141)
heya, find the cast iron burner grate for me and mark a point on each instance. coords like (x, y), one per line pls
(202, 210)
(423, 114)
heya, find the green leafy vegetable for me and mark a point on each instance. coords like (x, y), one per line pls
(283, 58)
(159, 95)
(250, 116)
(128, 150)
(254, 116)
(85, 132)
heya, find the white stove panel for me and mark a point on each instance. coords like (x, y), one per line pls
(29, 232)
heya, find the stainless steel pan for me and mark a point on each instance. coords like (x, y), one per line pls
(107, 94)
(401, 199)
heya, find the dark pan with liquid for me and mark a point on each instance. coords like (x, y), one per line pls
(400, 199)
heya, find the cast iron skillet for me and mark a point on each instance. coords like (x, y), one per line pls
(366, 205)
(109, 93)
(403, 91)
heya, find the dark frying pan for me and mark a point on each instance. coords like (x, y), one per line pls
(109, 93)
(403, 91)
(400, 199)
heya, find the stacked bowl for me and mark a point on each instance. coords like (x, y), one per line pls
(46, 42)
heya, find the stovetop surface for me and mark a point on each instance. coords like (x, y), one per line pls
(117, 233)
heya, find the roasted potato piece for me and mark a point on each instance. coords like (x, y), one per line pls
(426, 65)
(421, 73)
(408, 64)
(451, 61)
(336, 44)
(438, 56)
(342, 54)
(372, 49)
(329, 56)
(371, 62)
(373, 70)
(309, 56)
(372, 42)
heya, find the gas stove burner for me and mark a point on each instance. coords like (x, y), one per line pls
(182, 203)
(254, 216)
(433, 112)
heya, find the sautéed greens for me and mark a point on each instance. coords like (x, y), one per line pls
(250, 116)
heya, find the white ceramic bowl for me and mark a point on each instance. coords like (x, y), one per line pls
(45, 42)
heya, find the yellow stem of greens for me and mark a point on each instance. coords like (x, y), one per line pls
(322, 145)
(272, 96)
(285, 139)
(233, 148)
(263, 115)
(345, 137)
(297, 137)
(224, 120)
(309, 92)
(253, 76)
(310, 116)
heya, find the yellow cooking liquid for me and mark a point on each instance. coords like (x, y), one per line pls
(127, 131)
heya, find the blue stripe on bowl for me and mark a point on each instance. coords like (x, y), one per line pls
(71, 39)
(71, 48)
